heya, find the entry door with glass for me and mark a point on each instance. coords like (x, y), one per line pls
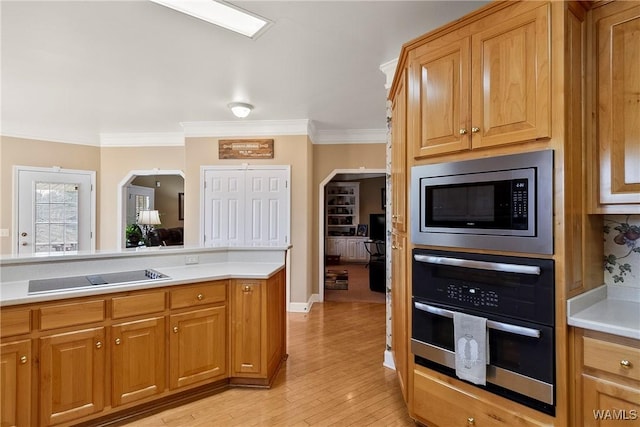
(55, 210)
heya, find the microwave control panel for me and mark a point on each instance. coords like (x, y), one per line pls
(519, 201)
(473, 296)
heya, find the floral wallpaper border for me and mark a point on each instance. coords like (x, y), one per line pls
(622, 250)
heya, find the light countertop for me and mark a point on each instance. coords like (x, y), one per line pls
(181, 266)
(608, 308)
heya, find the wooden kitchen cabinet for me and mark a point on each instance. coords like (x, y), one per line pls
(198, 346)
(482, 85)
(258, 343)
(615, 43)
(399, 156)
(110, 356)
(438, 403)
(608, 372)
(400, 290)
(16, 364)
(137, 360)
(72, 374)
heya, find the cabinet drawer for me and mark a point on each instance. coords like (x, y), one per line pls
(442, 405)
(206, 293)
(611, 357)
(77, 313)
(15, 322)
(133, 305)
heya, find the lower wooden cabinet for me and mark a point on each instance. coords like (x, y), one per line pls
(438, 403)
(137, 360)
(83, 359)
(15, 383)
(72, 374)
(258, 343)
(399, 313)
(197, 346)
(608, 373)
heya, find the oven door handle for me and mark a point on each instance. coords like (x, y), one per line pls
(481, 265)
(491, 324)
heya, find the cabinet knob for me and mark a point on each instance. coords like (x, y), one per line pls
(23, 360)
(99, 344)
(175, 329)
(625, 364)
(200, 297)
(24, 243)
(475, 130)
(463, 131)
(394, 216)
(246, 288)
(23, 234)
(394, 247)
(471, 421)
(118, 341)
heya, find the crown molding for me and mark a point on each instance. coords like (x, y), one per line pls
(47, 138)
(142, 139)
(351, 136)
(246, 128)
(389, 69)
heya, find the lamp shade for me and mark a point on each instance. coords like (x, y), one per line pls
(148, 217)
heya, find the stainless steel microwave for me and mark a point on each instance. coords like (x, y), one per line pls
(502, 203)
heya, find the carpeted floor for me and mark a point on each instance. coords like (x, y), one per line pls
(358, 286)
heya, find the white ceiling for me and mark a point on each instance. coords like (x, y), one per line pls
(73, 70)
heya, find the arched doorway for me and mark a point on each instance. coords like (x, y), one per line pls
(336, 174)
(168, 189)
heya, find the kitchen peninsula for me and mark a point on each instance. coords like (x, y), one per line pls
(204, 319)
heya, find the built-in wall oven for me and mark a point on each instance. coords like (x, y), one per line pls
(516, 297)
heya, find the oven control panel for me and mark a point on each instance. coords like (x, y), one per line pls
(470, 295)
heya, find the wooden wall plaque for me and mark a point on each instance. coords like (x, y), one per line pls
(245, 149)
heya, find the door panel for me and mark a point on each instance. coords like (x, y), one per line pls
(55, 210)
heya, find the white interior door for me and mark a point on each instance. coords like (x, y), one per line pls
(267, 202)
(246, 207)
(55, 210)
(223, 207)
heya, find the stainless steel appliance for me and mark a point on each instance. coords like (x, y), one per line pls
(514, 294)
(503, 203)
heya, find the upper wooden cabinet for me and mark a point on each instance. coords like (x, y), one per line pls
(399, 156)
(616, 156)
(483, 85)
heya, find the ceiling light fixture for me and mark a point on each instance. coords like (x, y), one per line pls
(221, 14)
(240, 109)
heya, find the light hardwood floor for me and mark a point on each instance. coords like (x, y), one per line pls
(333, 377)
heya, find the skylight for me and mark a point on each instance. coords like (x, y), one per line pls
(221, 14)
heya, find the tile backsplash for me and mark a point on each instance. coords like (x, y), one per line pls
(622, 250)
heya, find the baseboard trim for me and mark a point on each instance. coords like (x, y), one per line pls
(388, 360)
(303, 307)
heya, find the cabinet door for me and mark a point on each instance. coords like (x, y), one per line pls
(72, 375)
(399, 304)
(247, 325)
(440, 100)
(352, 249)
(399, 156)
(197, 346)
(609, 404)
(510, 89)
(138, 360)
(618, 82)
(15, 383)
